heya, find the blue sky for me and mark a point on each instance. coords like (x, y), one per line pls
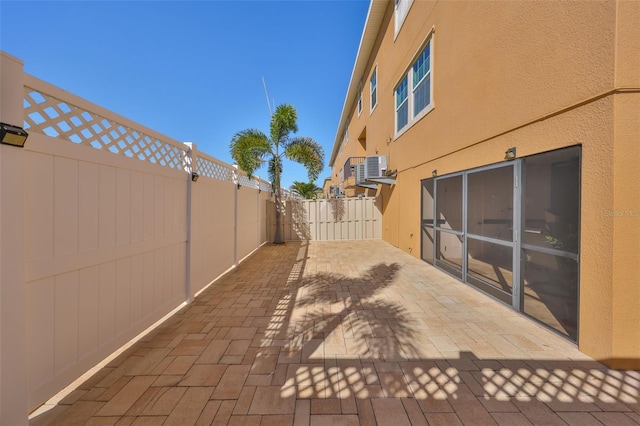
(192, 70)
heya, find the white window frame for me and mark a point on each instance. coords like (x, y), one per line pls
(373, 89)
(406, 100)
(401, 10)
(412, 116)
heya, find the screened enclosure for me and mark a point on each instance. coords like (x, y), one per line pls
(512, 231)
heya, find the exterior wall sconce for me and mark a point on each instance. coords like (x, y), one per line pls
(434, 173)
(194, 177)
(12, 135)
(510, 154)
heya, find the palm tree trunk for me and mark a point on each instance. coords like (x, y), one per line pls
(277, 239)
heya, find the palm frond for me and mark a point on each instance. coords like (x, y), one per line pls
(249, 148)
(283, 123)
(306, 190)
(308, 152)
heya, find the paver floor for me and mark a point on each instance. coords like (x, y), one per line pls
(348, 333)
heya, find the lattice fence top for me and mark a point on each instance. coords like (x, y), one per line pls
(265, 186)
(57, 118)
(290, 195)
(210, 169)
(243, 180)
(52, 116)
(215, 170)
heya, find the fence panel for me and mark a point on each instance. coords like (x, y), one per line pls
(105, 242)
(212, 230)
(329, 219)
(248, 221)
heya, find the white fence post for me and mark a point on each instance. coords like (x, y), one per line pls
(191, 161)
(236, 185)
(257, 181)
(14, 394)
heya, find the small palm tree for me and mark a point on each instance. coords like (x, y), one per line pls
(251, 149)
(304, 189)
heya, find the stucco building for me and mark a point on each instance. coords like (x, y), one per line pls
(502, 140)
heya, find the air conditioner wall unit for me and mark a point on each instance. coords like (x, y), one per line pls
(375, 166)
(359, 172)
(361, 177)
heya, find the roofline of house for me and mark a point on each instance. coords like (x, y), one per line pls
(375, 16)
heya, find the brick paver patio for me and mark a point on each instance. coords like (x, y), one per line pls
(348, 333)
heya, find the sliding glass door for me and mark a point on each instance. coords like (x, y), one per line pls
(551, 217)
(428, 222)
(490, 236)
(512, 231)
(449, 225)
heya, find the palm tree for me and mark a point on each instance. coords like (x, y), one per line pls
(304, 189)
(251, 149)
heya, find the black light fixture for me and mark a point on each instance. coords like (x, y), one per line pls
(12, 135)
(510, 154)
(194, 177)
(434, 173)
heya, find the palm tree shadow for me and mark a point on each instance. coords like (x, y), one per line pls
(297, 215)
(337, 208)
(320, 336)
(334, 314)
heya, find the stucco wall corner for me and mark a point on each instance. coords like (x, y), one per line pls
(625, 214)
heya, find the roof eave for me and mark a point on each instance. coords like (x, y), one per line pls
(375, 17)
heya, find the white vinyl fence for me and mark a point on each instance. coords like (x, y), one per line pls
(104, 229)
(103, 232)
(329, 219)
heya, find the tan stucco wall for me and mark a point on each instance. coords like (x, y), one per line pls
(626, 233)
(626, 237)
(535, 76)
(499, 65)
